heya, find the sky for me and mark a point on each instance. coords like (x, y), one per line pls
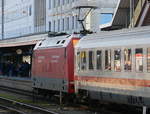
(105, 18)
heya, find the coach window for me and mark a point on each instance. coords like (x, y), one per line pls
(99, 60)
(148, 59)
(139, 59)
(91, 60)
(108, 60)
(117, 60)
(83, 60)
(127, 60)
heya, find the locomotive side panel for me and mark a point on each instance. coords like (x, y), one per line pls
(50, 69)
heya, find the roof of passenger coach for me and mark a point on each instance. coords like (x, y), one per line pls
(58, 41)
(122, 37)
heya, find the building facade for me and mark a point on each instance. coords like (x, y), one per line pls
(63, 15)
(18, 19)
(23, 17)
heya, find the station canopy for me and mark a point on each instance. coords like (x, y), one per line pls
(22, 41)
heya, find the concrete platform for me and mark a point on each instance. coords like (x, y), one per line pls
(16, 82)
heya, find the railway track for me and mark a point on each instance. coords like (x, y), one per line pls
(17, 91)
(30, 94)
(22, 108)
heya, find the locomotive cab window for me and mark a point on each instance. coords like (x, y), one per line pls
(108, 60)
(83, 60)
(91, 60)
(63, 42)
(139, 59)
(58, 42)
(117, 60)
(127, 60)
(148, 59)
(99, 60)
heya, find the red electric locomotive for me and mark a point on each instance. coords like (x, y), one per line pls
(53, 64)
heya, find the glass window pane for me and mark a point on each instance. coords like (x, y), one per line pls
(58, 29)
(91, 60)
(117, 60)
(127, 60)
(50, 4)
(148, 59)
(139, 59)
(63, 24)
(108, 60)
(50, 26)
(83, 60)
(99, 60)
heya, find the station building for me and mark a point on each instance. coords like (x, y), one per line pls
(25, 22)
(63, 15)
(23, 17)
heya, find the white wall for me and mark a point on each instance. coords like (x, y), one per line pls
(18, 20)
(59, 13)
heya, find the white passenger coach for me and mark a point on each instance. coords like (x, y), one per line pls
(115, 66)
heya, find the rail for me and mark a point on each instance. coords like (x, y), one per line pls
(17, 91)
(22, 108)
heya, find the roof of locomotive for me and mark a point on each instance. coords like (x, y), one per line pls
(58, 41)
(122, 37)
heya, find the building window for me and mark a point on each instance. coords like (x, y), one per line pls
(54, 24)
(139, 59)
(83, 60)
(91, 60)
(58, 2)
(76, 22)
(67, 27)
(127, 60)
(54, 3)
(67, 1)
(63, 2)
(58, 25)
(30, 10)
(108, 60)
(63, 24)
(148, 59)
(72, 22)
(50, 25)
(117, 60)
(105, 18)
(50, 4)
(99, 60)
